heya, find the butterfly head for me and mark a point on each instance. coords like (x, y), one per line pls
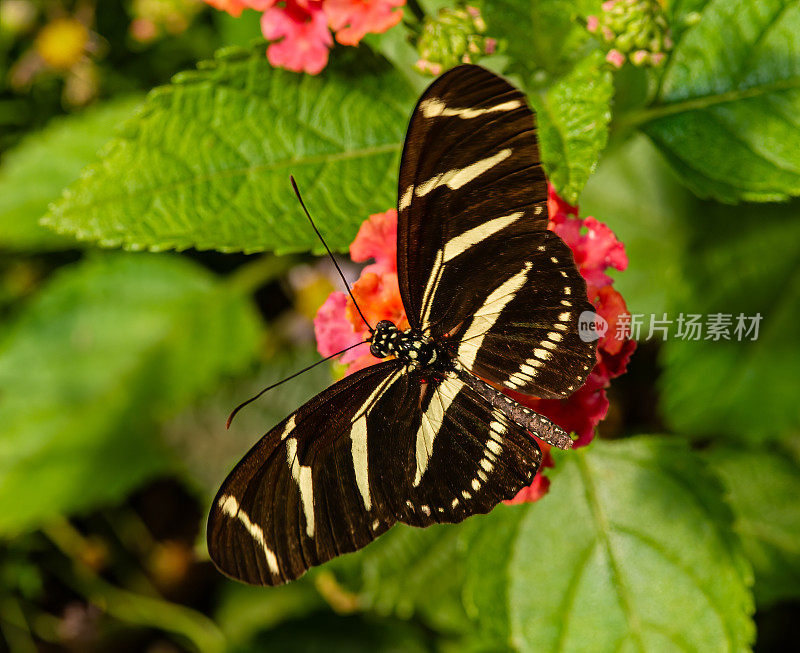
(411, 348)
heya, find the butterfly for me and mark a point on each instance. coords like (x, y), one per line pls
(426, 435)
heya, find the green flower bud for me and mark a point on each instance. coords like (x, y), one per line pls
(454, 36)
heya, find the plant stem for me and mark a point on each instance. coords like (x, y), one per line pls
(127, 606)
(252, 275)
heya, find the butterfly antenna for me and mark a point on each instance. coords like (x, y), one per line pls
(288, 378)
(338, 269)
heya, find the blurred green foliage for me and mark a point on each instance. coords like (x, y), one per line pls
(117, 368)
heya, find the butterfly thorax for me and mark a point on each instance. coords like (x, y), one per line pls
(412, 348)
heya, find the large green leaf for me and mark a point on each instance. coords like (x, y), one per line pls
(763, 488)
(35, 172)
(634, 193)
(726, 110)
(569, 84)
(631, 550)
(112, 345)
(741, 261)
(206, 163)
(411, 570)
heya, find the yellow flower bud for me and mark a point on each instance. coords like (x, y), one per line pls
(62, 42)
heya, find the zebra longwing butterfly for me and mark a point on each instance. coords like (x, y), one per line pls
(425, 437)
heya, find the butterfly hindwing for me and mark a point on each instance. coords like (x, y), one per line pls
(467, 457)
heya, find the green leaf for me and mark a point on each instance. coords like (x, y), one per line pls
(108, 348)
(726, 111)
(206, 163)
(567, 80)
(762, 491)
(635, 194)
(35, 172)
(418, 570)
(738, 388)
(632, 549)
(573, 115)
(412, 572)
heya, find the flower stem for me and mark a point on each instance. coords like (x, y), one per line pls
(252, 275)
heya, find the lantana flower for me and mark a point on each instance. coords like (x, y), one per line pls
(300, 30)
(352, 20)
(632, 29)
(596, 249)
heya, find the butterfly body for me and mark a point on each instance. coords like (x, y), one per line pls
(428, 434)
(412, 348)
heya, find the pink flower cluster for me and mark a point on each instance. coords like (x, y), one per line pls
(300, 30)
(595, 248)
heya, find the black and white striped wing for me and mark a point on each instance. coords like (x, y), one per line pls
(327, 480)
(477, 268)
(467, 456)
(379, 446)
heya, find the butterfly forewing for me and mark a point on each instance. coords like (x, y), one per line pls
(478, 270)
(323, 482)
(470, 175)
(525, 335)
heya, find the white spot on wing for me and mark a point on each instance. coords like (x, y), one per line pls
(405, 200)
(289, 428)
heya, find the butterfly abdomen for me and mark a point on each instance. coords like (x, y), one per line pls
(537, 424)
